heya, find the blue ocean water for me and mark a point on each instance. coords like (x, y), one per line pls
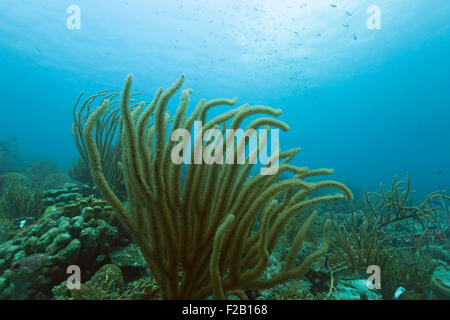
(369, 103)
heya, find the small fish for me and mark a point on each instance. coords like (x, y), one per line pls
(354, 37)
(346, 25)
(318, 35)
(33, 262)
(333, 5)
(348, 13)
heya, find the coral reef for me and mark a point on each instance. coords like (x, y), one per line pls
(104, 285)
(394, 234)
(214, 230)
(89, 240)
(66, 195)
(84, 230)
(108, 284)
(409, 269)
(387, 207)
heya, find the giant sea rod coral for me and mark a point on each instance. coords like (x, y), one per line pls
(212, 230)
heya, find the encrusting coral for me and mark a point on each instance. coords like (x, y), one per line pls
(213, 230)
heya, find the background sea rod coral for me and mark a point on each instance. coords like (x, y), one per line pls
(214, 230)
